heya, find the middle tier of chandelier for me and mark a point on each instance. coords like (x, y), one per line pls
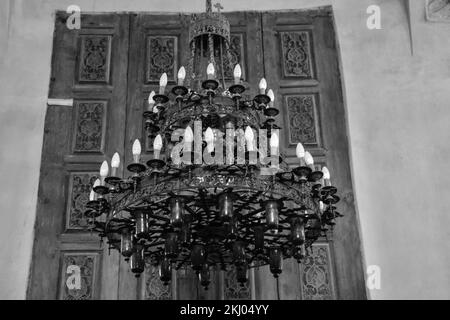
(216, 193)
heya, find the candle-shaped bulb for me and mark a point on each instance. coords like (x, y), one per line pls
(210, 71)
(309, 160)
(136, 151)
(326, 176)
(157, 146)
(188, 139)
(249, 137)
(274, 144)
(115, 162)
(237, 73)
(262, 86)
(271, 96)
(151, 102)
(188, 135)
(104, 169)
(300, 151)
(97, 183)
(92, 195)
(274, 141)
(209, 138)
(181, 76)
(321, 206)
(326, 173)
(162, 83)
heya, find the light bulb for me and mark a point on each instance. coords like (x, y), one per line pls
(157, 146)
(262, 86)
(274, 144)
(209, 138)
(274, 141)
(326, 177)
(326, 173)
(309, 160)
(209, 135)
(188, 135)
(115, 162)
(249, 138)
(92, 195)
(104, 169)
(151, 102)
(210, 71)
(97, 183)
(181, 76)
(162, 83)
(300, 151)
(136, 151)
(155, 109)
(188, 138)
(237, 73)
(271, 96)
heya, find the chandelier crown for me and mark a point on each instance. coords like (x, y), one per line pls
(209, 22)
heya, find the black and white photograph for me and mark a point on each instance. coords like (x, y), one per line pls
(237, 151)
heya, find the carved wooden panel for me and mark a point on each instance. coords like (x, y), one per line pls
(302, 118)
(233, 290)
(296, 57)
(95, 59)
(162, 53)
(237, 54)
(438, 10)
(79, 274)
(317, 282)
(89, 126)
(154, 287)
(80, 185)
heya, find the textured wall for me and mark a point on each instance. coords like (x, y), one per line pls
(398, 121)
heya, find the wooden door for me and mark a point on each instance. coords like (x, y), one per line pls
(89, 66)
(302, 67)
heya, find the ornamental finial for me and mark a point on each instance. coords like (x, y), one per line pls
(208, 6)
(218, 6)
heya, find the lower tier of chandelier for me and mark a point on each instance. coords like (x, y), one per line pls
(240, 233)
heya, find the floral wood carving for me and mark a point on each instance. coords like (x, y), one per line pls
(296, 54)
(161, 57)
(301, 111)
(84, 266)
(236, 50)
(232, 289)
(154, 288)
(95, 57)
(89, 126)
(438, 10)
(316, 277)
(79, 189)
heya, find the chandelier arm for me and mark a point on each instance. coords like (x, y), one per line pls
(222, 67)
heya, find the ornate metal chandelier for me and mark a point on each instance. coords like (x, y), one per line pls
(218, 196)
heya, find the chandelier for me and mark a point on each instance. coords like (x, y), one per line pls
(217, 193)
